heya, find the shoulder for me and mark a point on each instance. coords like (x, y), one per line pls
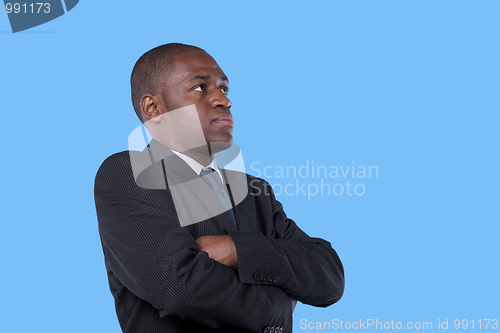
(116, 169)
(118, 160)
(118, 163)
(125, 167)
(259, 183)
(131, 170)
(257, 187)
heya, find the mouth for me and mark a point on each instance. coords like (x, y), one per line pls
(225, 119)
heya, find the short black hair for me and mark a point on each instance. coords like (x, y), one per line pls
(152, 70)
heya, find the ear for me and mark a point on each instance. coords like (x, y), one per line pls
(150, 108)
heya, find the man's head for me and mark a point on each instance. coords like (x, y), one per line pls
(173, 76)
(152, 70)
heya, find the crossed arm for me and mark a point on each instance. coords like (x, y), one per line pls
(223, 250)
(219, 248)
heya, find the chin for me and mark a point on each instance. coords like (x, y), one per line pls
(216, 147)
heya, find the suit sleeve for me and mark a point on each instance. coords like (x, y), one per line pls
(160, 262)
(306, 268)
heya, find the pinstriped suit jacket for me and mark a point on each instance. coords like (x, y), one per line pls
(160, 280)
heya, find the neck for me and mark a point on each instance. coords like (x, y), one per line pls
(202, 155)
(203, 159)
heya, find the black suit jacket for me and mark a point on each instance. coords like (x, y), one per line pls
(162, 282)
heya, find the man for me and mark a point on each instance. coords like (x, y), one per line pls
(182, 254)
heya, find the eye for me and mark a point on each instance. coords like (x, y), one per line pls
(200, 87)
(225, 90)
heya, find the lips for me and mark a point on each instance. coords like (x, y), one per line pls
(225, 119)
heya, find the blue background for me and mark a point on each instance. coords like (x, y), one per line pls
(411, 87)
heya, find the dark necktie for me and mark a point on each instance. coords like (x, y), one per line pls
(212, 178)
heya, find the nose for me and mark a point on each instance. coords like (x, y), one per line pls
(219, 99)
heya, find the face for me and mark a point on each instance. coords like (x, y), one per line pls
(198, 79)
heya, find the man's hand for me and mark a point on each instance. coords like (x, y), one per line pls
(219, 248)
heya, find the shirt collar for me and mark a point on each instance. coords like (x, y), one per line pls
(197, 167)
